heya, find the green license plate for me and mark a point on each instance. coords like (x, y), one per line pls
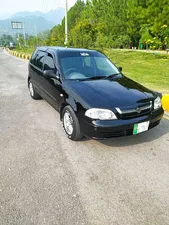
(141, 127)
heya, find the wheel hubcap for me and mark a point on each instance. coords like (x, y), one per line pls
(31, 89)
(68, 123)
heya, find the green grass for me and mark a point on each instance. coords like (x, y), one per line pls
(28, 51)
(149, 69)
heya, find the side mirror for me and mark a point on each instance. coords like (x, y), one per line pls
(50, 74)
(120, 68)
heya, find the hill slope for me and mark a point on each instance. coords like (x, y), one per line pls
(34, 21)
(54, 16)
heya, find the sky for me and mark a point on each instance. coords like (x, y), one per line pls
(9, 7)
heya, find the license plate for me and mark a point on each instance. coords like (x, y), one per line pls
(141, 127)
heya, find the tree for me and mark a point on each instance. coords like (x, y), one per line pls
(5, 39)
(114, 23)
(82, 35)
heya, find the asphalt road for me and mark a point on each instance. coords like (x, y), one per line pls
(46, 179)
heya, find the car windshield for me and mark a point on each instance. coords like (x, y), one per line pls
(86, 66)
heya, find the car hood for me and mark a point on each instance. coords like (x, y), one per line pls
(110, 93)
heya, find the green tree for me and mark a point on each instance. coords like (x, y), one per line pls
(82, 35)
(114, 23)
(5, 39)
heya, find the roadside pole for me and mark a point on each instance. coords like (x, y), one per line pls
(66, 23)
(24, 34)
(19, 41)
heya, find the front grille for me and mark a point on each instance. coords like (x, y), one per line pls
(136, 111)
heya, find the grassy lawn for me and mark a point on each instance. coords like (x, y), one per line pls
(28, 51)
(149, 69)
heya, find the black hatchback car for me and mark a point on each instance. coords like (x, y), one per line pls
(91, 94)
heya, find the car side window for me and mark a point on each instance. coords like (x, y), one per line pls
(49, 62)
(32, 60)
(39, 59)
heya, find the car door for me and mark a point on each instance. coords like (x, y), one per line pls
(31, 66)
(51, 86)
(37, 70)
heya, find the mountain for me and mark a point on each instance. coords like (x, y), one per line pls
(54, 16)
(26, 14)
(33, 25)
(34, 22)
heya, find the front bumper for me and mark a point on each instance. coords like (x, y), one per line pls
(98, 129)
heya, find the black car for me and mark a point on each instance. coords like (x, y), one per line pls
(91, 94)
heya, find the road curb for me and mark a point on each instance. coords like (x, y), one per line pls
(165, 103)
(166, 114)
(19, 55)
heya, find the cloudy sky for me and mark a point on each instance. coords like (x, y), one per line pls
(9, 7)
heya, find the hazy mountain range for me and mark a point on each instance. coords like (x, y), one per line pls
(35, 22)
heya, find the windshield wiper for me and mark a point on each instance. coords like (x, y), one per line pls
(111, 75)
(93, 78)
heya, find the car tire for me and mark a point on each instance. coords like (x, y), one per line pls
(32, 91)
(71, 124)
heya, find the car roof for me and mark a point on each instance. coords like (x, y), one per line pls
(63, 49)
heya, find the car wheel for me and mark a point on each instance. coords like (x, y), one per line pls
(32, 91)
(71, 124)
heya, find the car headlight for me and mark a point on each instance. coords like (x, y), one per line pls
(157, 103)
(100, 114)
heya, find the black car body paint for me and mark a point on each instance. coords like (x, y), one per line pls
(129, 101)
